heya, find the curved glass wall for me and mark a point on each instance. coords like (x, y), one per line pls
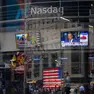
(51, 34)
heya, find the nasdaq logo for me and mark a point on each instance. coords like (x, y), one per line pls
(47, 10)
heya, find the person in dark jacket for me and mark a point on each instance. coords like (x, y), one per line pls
(92, 89)
(67, 83)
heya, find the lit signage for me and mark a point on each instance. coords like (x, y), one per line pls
(52, 77)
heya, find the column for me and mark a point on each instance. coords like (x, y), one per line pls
(41, 66)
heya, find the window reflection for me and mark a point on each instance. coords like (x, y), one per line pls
(76, 62)
(45, 60)
(53, 58)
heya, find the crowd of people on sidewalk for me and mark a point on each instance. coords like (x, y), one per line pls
(82, 89)
(86, 88)
(46, 91)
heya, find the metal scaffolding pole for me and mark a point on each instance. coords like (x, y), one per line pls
(25, 27)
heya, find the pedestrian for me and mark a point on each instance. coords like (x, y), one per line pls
(76, 90)
(87, 88)
(82, 89)
(67, 90)
(67, 83)
(92, 89)
(35, 91)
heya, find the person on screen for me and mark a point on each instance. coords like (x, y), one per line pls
(22, 39)
(21, 11)
(71, 39)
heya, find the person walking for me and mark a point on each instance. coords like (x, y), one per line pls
(82, 89)
(67, 83)
(92, 89)
(76, 90)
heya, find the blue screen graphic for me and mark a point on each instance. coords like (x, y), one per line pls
(13, 12)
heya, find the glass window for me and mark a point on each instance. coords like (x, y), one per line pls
(45, 60)
(53, 58)
(37, 65)
(76, 68)
(75, 62)
(28, 75)
(36, 74)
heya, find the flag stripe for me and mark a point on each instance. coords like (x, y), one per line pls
(52, 79)
(47, 71)
(52, 83)
(49, 85)
(50, 74)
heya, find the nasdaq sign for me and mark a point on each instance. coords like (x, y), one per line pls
(47, 10)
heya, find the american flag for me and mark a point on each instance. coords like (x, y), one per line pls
(52, 77)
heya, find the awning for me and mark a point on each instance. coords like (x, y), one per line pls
(20, 69)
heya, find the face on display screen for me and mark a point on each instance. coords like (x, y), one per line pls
(74, 38)
(25, 40)
(20, 40)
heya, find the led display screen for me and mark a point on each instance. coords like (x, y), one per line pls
(74, 38)
(25, 40)
(15, 11)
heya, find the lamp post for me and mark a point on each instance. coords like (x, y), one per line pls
(61, 64)
(25, 63)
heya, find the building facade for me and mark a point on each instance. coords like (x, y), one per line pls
(75, 16)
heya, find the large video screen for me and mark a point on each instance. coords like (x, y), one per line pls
(74, 38)
(25, 40)
(15, 10)
(20, 40)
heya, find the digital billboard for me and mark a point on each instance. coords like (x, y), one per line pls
(25, 40)
(74, 38)
(52, 77)
(20, 40)
(14, 11)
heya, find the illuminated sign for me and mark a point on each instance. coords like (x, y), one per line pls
(48, 10)
(52, 77)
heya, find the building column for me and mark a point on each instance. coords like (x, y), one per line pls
(41, 67)
(49, 59)
(1, 57)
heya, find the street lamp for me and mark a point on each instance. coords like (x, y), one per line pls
(61, 65)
